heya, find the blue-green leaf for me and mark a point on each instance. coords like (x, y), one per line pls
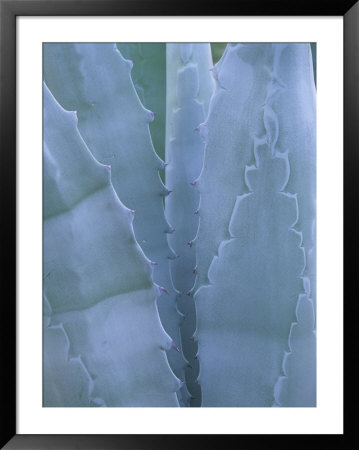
(101, 319)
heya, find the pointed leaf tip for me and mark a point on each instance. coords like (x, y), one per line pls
(174, 346)
(162, 289)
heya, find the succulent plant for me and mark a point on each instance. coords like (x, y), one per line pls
(149, 78)
(189, 90)
(256, 254)
(199, 291)
(104, 342)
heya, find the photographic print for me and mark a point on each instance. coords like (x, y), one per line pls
(179, 224)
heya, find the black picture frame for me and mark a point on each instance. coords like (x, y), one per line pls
(9, 10)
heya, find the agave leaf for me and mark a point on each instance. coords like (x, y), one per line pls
(298, 385)
(235, 116)
(244, 315)
(189, 88)
(246, 301)
(295, 107)
(149, 78)
(66, 380)
(95, 80)
(104, 342)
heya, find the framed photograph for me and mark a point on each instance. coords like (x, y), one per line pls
(175, 183)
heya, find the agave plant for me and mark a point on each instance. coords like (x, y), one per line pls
(179, 225)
